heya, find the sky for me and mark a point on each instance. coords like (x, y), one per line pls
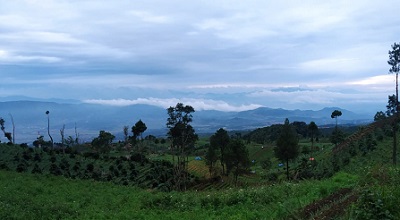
(214, 55)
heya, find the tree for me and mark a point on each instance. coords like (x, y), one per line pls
(48, 128)
(313, 131)
(3, 128)
(379, 116)
(62, 130)
(391, 111)
(335, 114)
(391, 106)
(287, 145)
(394, 62)
(13, 130)
(138, 129)
(211, 158)
(125, 130)
(103, 142)
(337, 136)
(183, 137)
(237, 157)
(220, 140)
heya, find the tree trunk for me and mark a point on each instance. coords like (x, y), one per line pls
(13, 130)
(396, 122)
(48, 131)
(287, 169)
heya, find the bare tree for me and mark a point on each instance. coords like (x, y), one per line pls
(48, 129)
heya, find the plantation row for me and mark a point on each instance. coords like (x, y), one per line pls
(132, 170)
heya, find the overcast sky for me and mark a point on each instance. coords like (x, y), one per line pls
(224, 55)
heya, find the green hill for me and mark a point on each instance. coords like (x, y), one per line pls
(362, 184)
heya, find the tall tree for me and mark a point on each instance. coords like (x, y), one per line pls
(394, 62)
(48, 128)
(237, 158)
(211, 158)
(220, 140)
(337, 135)
(287, 145)
(335, 114)
(183, 137)
(313, 131)
(138, 129)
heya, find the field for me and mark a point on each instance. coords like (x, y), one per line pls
(353, 183)
(29, 196)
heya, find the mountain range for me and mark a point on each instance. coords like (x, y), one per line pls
(30, 119)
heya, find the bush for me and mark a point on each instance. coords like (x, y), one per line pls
(372, 205)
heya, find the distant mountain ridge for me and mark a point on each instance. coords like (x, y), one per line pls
(30, 118)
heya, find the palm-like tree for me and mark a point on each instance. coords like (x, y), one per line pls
(48, 128)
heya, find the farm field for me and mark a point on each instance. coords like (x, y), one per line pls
(352, 183)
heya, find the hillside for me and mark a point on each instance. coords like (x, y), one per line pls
(354, 181)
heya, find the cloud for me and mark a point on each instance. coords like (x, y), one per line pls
(198, 104)
(7, 57)
(216, 54)
(149, 17)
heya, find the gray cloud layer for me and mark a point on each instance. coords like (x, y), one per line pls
(233, 53)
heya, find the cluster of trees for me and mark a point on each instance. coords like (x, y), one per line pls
(231, 152)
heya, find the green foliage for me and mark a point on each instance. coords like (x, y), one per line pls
(237, 157)
(337, 136)
(379, 116)
(287, 147)
(138, 129)
(219, 143)
(102, 143)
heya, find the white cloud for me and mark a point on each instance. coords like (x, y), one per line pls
(197, 104)
(149, 17)
(7, 57)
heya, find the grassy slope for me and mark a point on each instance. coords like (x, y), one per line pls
(28, 196)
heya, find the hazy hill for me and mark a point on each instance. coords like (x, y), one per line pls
(31, 120)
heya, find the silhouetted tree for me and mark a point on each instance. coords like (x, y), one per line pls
(337, 136)
(335, 114)
(313, 131)
(379, 116)
(287, 147)
(237, 157)
(138, 129)
(211, 158)
(3, 128)
(183, 138)
(394, 62)
(220, 140)
(48, 128)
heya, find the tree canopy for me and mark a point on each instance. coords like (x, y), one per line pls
(219, 141)
(183, 137)
(287, 147)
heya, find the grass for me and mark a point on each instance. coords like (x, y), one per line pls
(29, 196)
(32, 196)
